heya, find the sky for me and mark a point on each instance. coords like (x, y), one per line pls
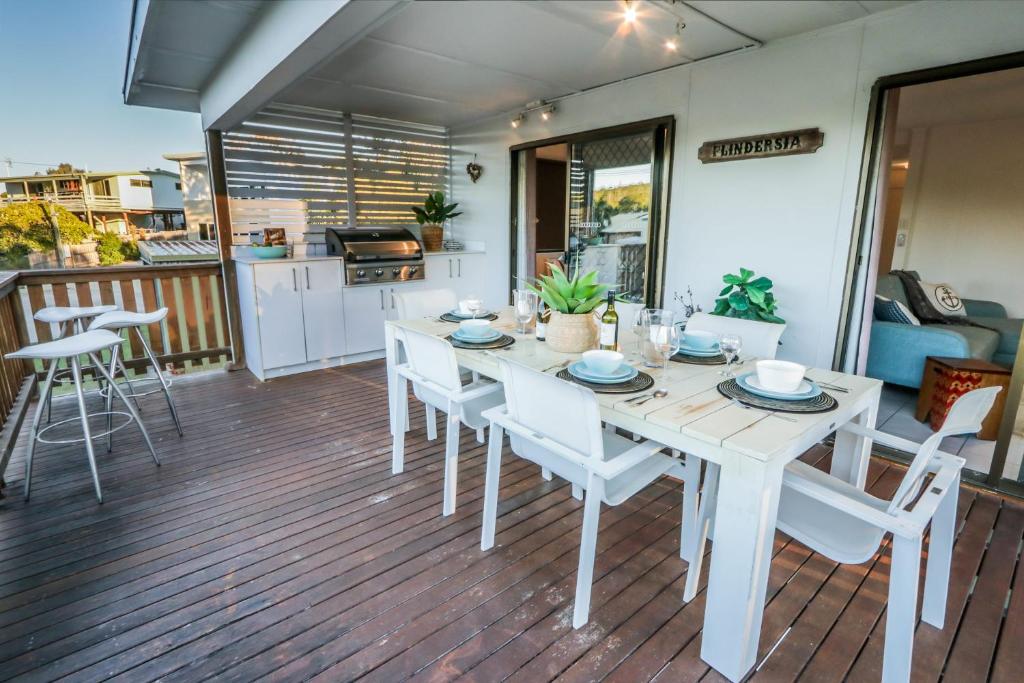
(60, 92)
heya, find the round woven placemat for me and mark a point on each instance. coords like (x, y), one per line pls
(630, 386)
(699, 360)
(822, 403)
(499, 343)
(449, 318)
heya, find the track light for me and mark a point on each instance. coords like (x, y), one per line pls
(517, 120)
(629, 13)
(672, 44)
(547, 113)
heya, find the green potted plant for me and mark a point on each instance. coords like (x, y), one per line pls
(572, 327)
(431, 217)
(747, 297)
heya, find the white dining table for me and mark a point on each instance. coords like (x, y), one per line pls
(752, 447)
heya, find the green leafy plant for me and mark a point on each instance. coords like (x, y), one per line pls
(578, 295)
(434, 210)
(108, 247)
(746, 297)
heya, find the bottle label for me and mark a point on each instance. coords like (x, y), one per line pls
(608, 334)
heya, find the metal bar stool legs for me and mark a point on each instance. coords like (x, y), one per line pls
(44, 402)
(163, 381)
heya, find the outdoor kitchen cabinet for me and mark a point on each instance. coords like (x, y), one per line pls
(462, 272)
(292, 315)
(366, 307)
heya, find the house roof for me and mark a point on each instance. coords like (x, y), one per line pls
(87, 174)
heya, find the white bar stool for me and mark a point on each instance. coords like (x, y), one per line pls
(116, 321)
(65, 317)
(71, 349)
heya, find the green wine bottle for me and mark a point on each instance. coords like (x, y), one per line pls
(610, 326)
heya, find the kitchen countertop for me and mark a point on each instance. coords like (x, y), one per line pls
(454, 253)
(244, 258)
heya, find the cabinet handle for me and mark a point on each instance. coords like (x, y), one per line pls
(307, 277)
(449, 268)
(460, 267)
(295, 281)
(382, 299)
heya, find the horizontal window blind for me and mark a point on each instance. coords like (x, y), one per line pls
(304, 170)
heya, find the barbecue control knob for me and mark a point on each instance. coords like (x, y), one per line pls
(360, 273)
(412, 270)
(378, 272)
(396, 271)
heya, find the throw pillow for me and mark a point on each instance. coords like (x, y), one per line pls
(944, 298)
(891, 311)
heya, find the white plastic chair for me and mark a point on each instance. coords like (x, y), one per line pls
(847, 524)
(557, 425)
(760, 339)
(434, 374)
(425, 303)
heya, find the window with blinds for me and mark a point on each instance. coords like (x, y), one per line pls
(303, 170)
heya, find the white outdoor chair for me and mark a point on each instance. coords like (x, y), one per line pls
(434, 374)
(426, 303)
(760, 339)
(557, 425)
(847, 524)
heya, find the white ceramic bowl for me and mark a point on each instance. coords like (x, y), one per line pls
(700, 340)
(780, 375)
(466, 306)
(602, 362)
(475, 327)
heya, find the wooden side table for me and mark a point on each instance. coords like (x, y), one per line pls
(946, 379)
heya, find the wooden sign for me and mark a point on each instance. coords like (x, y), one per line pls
(805, 141)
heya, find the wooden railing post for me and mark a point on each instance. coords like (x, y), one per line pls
(16, 378)
(222, 220)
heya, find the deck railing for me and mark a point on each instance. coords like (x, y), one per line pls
(194, 334)
(15, 375)
(70, 200)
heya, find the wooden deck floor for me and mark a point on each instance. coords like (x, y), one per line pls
(274, 543)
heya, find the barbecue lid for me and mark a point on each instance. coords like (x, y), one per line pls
(374, 244)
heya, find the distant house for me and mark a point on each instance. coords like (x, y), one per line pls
(196, 195)
(122, 202)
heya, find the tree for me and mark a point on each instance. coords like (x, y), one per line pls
(25, 228)
(64, 168)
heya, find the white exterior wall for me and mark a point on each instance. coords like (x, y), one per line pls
(134, 197)
(790, 218)
(196, 195)
(165, 194)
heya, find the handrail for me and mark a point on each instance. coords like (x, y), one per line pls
(15, 375)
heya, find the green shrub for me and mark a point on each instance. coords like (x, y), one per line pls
(109, 246)
(130, 250)
(24, 228)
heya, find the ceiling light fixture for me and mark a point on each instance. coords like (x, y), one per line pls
(672, 44)
(517, 120)
(547, 113)
(629, 13)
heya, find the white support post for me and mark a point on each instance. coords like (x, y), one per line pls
(588, 550)
(451, 460)
(491, 485)
(940, 556)
(900, 615)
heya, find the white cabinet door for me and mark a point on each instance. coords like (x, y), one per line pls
(440, 271)
(365, 312)
(471, 276)
(279, 308)
(322, 309)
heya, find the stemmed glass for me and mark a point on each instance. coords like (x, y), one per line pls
(730, 344)
(524, 304)
(666, 339)
(474, 304)
(654, 322)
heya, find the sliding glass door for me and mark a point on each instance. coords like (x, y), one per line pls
(615, 207)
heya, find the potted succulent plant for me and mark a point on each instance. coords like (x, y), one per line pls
(431, 217)
(572, 327)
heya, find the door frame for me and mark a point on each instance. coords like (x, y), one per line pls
(867, 233)
(663, 128)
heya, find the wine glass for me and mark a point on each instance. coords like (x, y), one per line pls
(654, 321)
(666, 343)
(524, 303)
(730, 344)
(474, 304)
(638, 330)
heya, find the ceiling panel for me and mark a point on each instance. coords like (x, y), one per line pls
(774, 19)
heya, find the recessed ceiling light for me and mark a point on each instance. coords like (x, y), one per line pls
(629, 13)
(671, 45)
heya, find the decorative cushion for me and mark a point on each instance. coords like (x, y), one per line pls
(891, 311)
(944, 298)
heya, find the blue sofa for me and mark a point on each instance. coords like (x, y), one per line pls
(897, 352)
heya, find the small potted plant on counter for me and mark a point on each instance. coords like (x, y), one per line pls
(572, 327)
(431, 217)
(747, 298)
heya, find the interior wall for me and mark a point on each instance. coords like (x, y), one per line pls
(965, 225)
(791, 217)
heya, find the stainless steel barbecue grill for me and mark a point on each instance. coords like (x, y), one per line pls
(384, 254)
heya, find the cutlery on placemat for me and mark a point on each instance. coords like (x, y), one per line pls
(637, 398)
(771, 413)
(660, 393)
(832, 387)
